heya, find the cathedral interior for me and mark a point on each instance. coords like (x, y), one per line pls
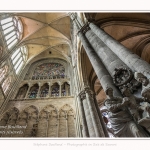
(74, 75)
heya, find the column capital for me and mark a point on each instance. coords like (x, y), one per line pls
(88, 90)
(85, 28)
(60, 83)
(82, 95)
(30, 84)
(49, 83)
(40, 84)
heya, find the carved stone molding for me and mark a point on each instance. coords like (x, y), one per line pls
(121, 76)
(85, 28)
(124, 77)
(82, 95)
(90, 92)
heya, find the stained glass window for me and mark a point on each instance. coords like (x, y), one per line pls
(33, 91)
(3, 72)
(22, 92)
(19, 57)
(55, 90)
(12, 30)
(65, 89)
(53, 70)
(44, 92)
(6, 84)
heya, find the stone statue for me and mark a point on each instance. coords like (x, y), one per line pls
(145, 93)
(120, 119)
(145, 84)
(133, 103)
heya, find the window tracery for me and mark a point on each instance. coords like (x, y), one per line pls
(44, 90)
(52, 70)
(65, 89)
(12, 30)
(22, 92)
(55, 90)
(33, 91)
(3, 72)
(6, 84)
(19, 57)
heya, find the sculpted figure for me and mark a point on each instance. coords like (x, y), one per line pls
(120, 119)
(145, 84)
(133, 103)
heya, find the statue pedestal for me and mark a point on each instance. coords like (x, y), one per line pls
(145, 122)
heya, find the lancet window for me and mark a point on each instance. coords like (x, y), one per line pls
(12, 30)
(19, 58)
(44, 90)
(6, 84)
(55, 90)
(33, 91)
(3, 72)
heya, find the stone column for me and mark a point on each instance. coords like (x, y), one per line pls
(101, 72)
(84, 122)
(67, 135)
(132, 60)
(48, 118)
(58, 126)
(88, 117)
(94, 115)
(39, 90)
(78, 118)
(26, 96)
(59, 89)
(67, 90)
(110, 60)
(100, 117)
(49, 90)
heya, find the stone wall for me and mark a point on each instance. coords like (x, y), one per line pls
(53, 117)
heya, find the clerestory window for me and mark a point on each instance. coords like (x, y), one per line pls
(3, 72)
(6, 84)
(19, 58)
(12, 30)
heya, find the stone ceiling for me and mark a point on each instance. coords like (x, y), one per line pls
(46, 35)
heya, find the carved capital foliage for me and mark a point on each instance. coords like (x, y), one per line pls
(85, 28)
(121, 76)
(89, 91)
(82, 95)
(124, 77)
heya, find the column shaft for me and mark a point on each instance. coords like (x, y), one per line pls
(60, 90)
(101, 71)
(89, 121)
(94, 116)
(109, 59)
(27, 92)
(85, 129)
(49, 90)
(100, 118)
(132, 60)
(39, 90)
